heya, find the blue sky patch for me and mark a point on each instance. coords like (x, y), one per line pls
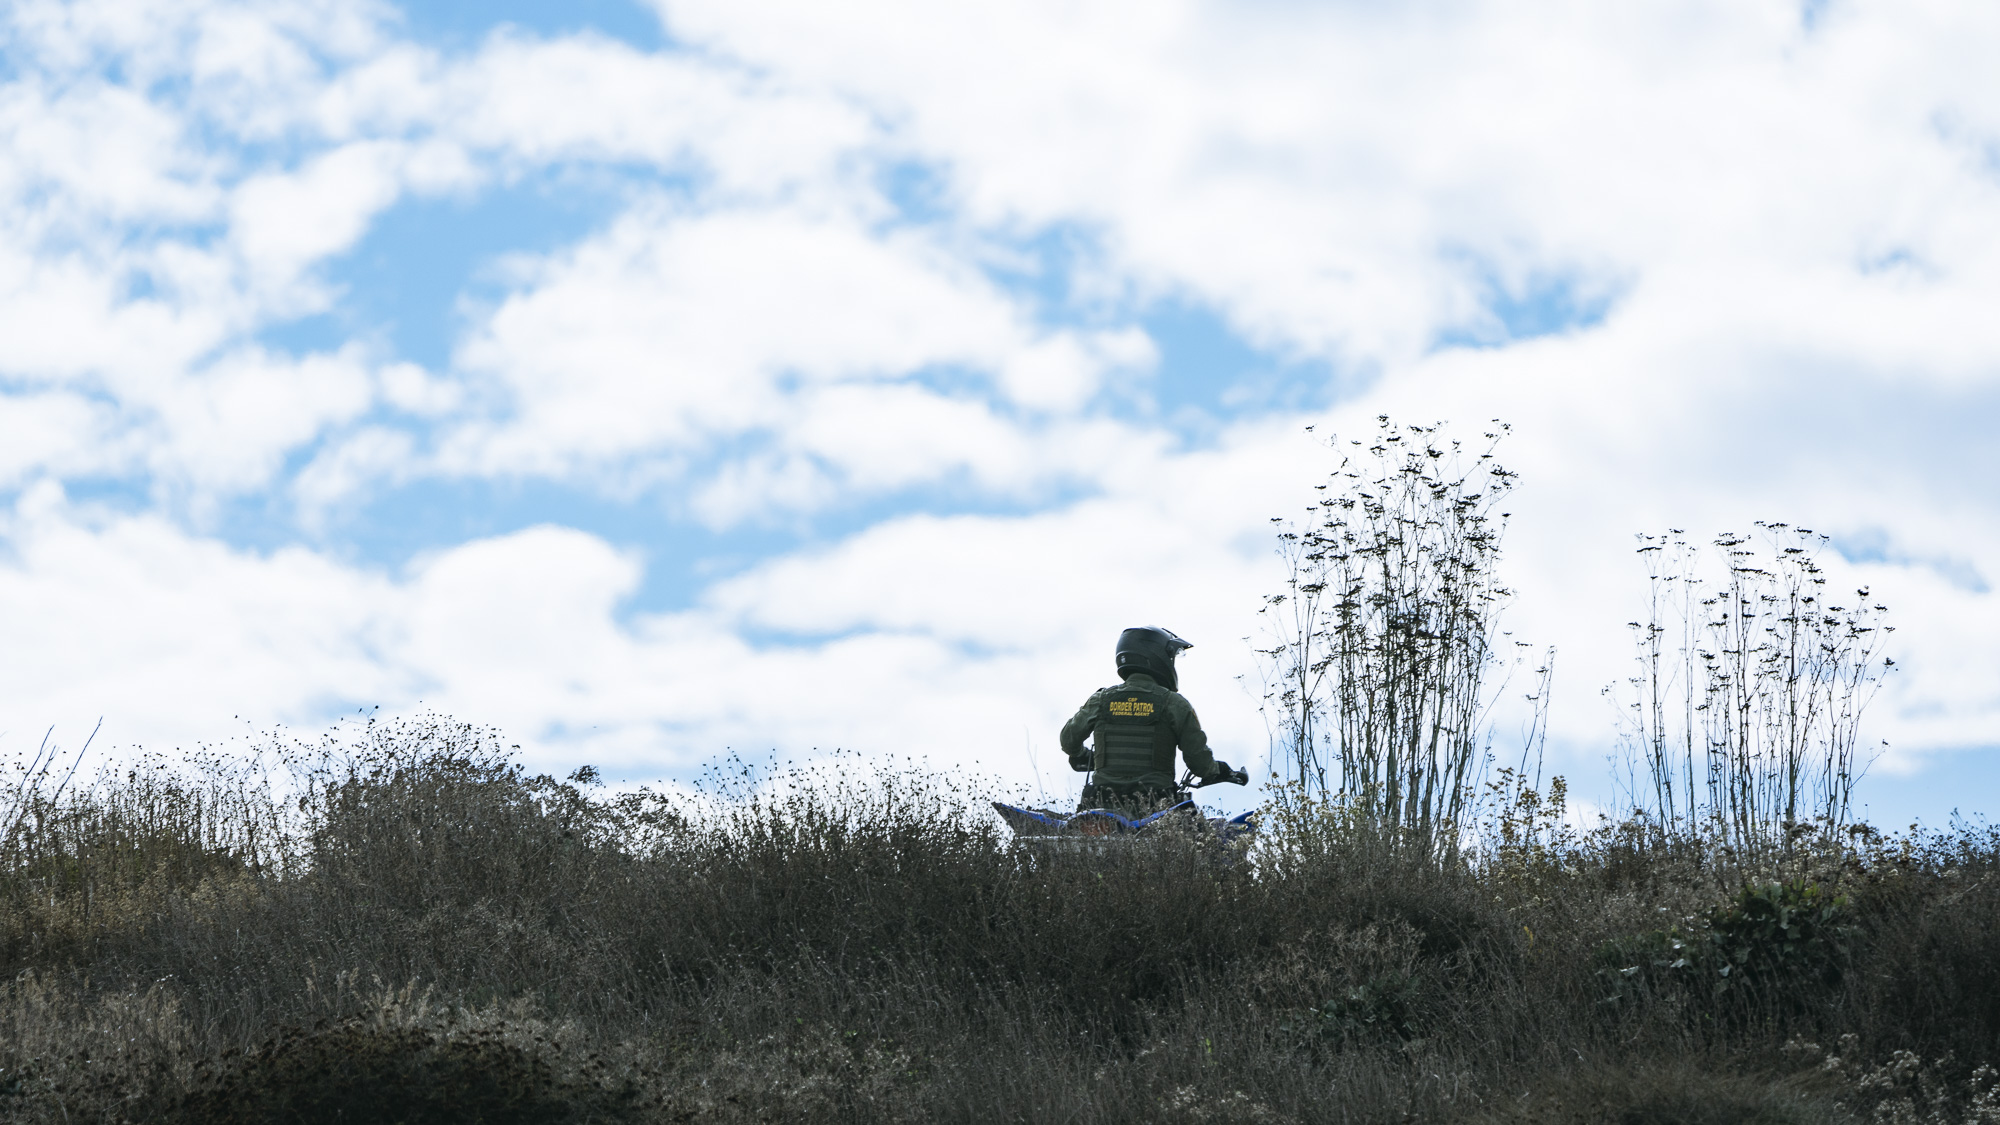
(1953, 782)
(404, 284)
(1545, 304)
(459, 24)
(1208, 373)
(921, 192)
(1873, 545)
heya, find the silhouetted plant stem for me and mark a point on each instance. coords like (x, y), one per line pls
(1383, 637)
(1747, 705)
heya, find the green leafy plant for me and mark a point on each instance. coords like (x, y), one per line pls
(1769, 939)
(1794, 932)
(1385, 1007)
(1639, 967)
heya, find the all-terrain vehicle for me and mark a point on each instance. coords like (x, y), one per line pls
(1041, 827)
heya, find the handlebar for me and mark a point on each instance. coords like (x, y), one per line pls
(1233, 777)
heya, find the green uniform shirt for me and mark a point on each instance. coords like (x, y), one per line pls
(1134, 729)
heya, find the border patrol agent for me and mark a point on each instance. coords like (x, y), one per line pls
(1136, 726)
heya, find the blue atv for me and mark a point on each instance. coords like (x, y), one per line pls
(1033, 825)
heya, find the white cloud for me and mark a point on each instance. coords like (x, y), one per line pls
(674, 331)
(248, 60)
(410, 388)
(350, 469)
(1330, 177)
(1061, 373)
(52, 432)
(98, 149)
(284, 222)
(167, 635)
(1006, 617)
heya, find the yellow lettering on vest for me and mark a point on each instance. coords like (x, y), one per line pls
(1133, 706)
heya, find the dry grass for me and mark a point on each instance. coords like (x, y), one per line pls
(421, 932)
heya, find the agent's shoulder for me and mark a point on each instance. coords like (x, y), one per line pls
(1150, 687)
(1173, 701)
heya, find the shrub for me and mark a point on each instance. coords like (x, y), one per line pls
(1795, 933)
(1774, 946)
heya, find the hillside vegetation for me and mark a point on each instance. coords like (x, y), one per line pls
(413, 929)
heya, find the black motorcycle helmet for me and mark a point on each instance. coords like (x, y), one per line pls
(1150, 649)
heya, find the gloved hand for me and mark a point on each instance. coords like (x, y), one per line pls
(1080, 762)
(1224, 772)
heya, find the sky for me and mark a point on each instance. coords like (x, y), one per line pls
(657, 380)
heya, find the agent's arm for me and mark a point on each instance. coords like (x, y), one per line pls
(1074, 732)
(1194, 747)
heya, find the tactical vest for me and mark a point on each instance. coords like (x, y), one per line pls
(1134, 738)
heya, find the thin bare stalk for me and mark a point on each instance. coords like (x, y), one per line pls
(1383, 635)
